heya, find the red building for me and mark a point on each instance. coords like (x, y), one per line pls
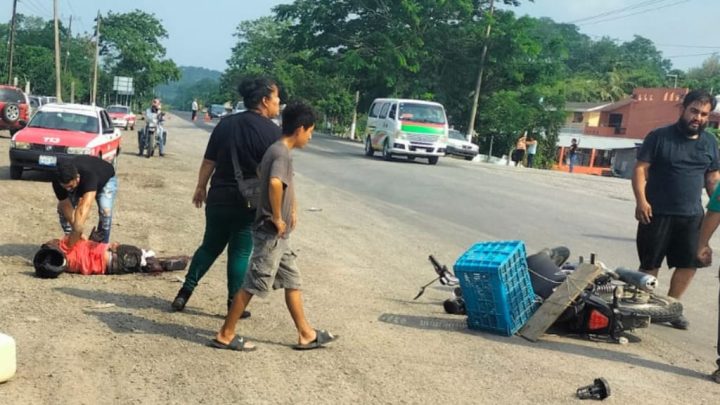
(601, 128)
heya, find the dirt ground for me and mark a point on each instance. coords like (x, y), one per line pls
(114, 340)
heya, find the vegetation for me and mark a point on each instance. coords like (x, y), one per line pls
(326, 50)
(129, 46)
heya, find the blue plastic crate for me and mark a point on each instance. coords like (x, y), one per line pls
(496, 286)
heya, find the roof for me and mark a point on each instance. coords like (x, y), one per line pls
(617, 104)
(598, 142)
(585, 107)
(74, 108)
(408, 100)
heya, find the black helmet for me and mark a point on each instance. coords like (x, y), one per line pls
(49, 262)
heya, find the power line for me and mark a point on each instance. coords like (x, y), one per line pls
(616, 11)
(39, 8)
(31, 10)
(688, 46)
(632, 14)
(693, 54)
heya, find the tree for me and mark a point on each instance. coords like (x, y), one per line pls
(707, 76)
(130, 46)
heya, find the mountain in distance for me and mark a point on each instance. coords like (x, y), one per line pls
(178, 93)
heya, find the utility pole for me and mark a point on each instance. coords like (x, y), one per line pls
(58, 84)
(67, 51)
(476, 98)
(97, 56)
(354, 118)
(11, 50)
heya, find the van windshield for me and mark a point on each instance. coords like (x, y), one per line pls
(432, 114)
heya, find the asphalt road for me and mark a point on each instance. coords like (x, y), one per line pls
(588, 214)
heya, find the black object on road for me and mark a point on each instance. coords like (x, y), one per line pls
(600, 389)
(443, 274)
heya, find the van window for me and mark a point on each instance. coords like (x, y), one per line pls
(416, 112)
(384, 111)
(393, 111)
(375, 110)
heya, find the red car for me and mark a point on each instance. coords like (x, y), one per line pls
(58, 132)
(121, 116)
(14, 109)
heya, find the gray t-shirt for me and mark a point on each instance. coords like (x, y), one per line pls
(275, 163)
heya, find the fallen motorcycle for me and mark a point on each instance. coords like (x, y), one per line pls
(618, 300)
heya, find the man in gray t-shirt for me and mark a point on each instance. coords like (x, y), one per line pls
(272, 264)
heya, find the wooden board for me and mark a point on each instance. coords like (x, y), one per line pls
(566, 292)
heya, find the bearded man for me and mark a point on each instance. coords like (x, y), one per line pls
(674, 163)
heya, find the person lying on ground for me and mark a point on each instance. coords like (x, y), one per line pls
(89, 257)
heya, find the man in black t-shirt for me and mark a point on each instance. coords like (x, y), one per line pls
(674, 163)
(77, 183)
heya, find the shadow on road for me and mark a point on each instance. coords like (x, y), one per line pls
(28, 174)
(609, 237)
(432, 323)
(119, 299)
(123, 322)
(24, 250)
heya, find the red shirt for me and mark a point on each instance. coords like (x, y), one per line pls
(86, 257)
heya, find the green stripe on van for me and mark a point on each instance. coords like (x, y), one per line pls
(421, 129)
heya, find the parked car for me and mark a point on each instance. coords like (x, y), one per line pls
(14, 109)
(58, 132)
(410, 128)
(38, 101)
(121, 116)
(217, 111)
(239, 107)
(459, 146)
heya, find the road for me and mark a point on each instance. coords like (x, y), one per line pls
(488, 202)
(365, 229)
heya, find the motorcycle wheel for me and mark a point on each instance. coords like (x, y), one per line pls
(455, 306)
(658, 307)
(150, 145)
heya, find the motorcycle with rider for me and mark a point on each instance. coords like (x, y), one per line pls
(153, 135)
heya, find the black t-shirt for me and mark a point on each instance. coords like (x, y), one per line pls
(254, 135)
(94, 174)
(677, 170)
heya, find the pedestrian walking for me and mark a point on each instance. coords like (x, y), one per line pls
(572, 154)
(532, 145)
(194, 108)
(273, 261)
(673, 165)
(227, 215)
(519, 153)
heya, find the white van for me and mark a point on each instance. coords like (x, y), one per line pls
(411, 128)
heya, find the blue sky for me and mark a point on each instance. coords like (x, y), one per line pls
(201, 32)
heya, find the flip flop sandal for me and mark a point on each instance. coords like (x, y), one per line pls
(322, 337)
(237, 344)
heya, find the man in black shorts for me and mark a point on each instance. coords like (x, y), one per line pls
(674, 163)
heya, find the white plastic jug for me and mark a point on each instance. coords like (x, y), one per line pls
(7, 358)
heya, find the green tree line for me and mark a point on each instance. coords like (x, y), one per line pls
(324, 51)
(129, 46)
